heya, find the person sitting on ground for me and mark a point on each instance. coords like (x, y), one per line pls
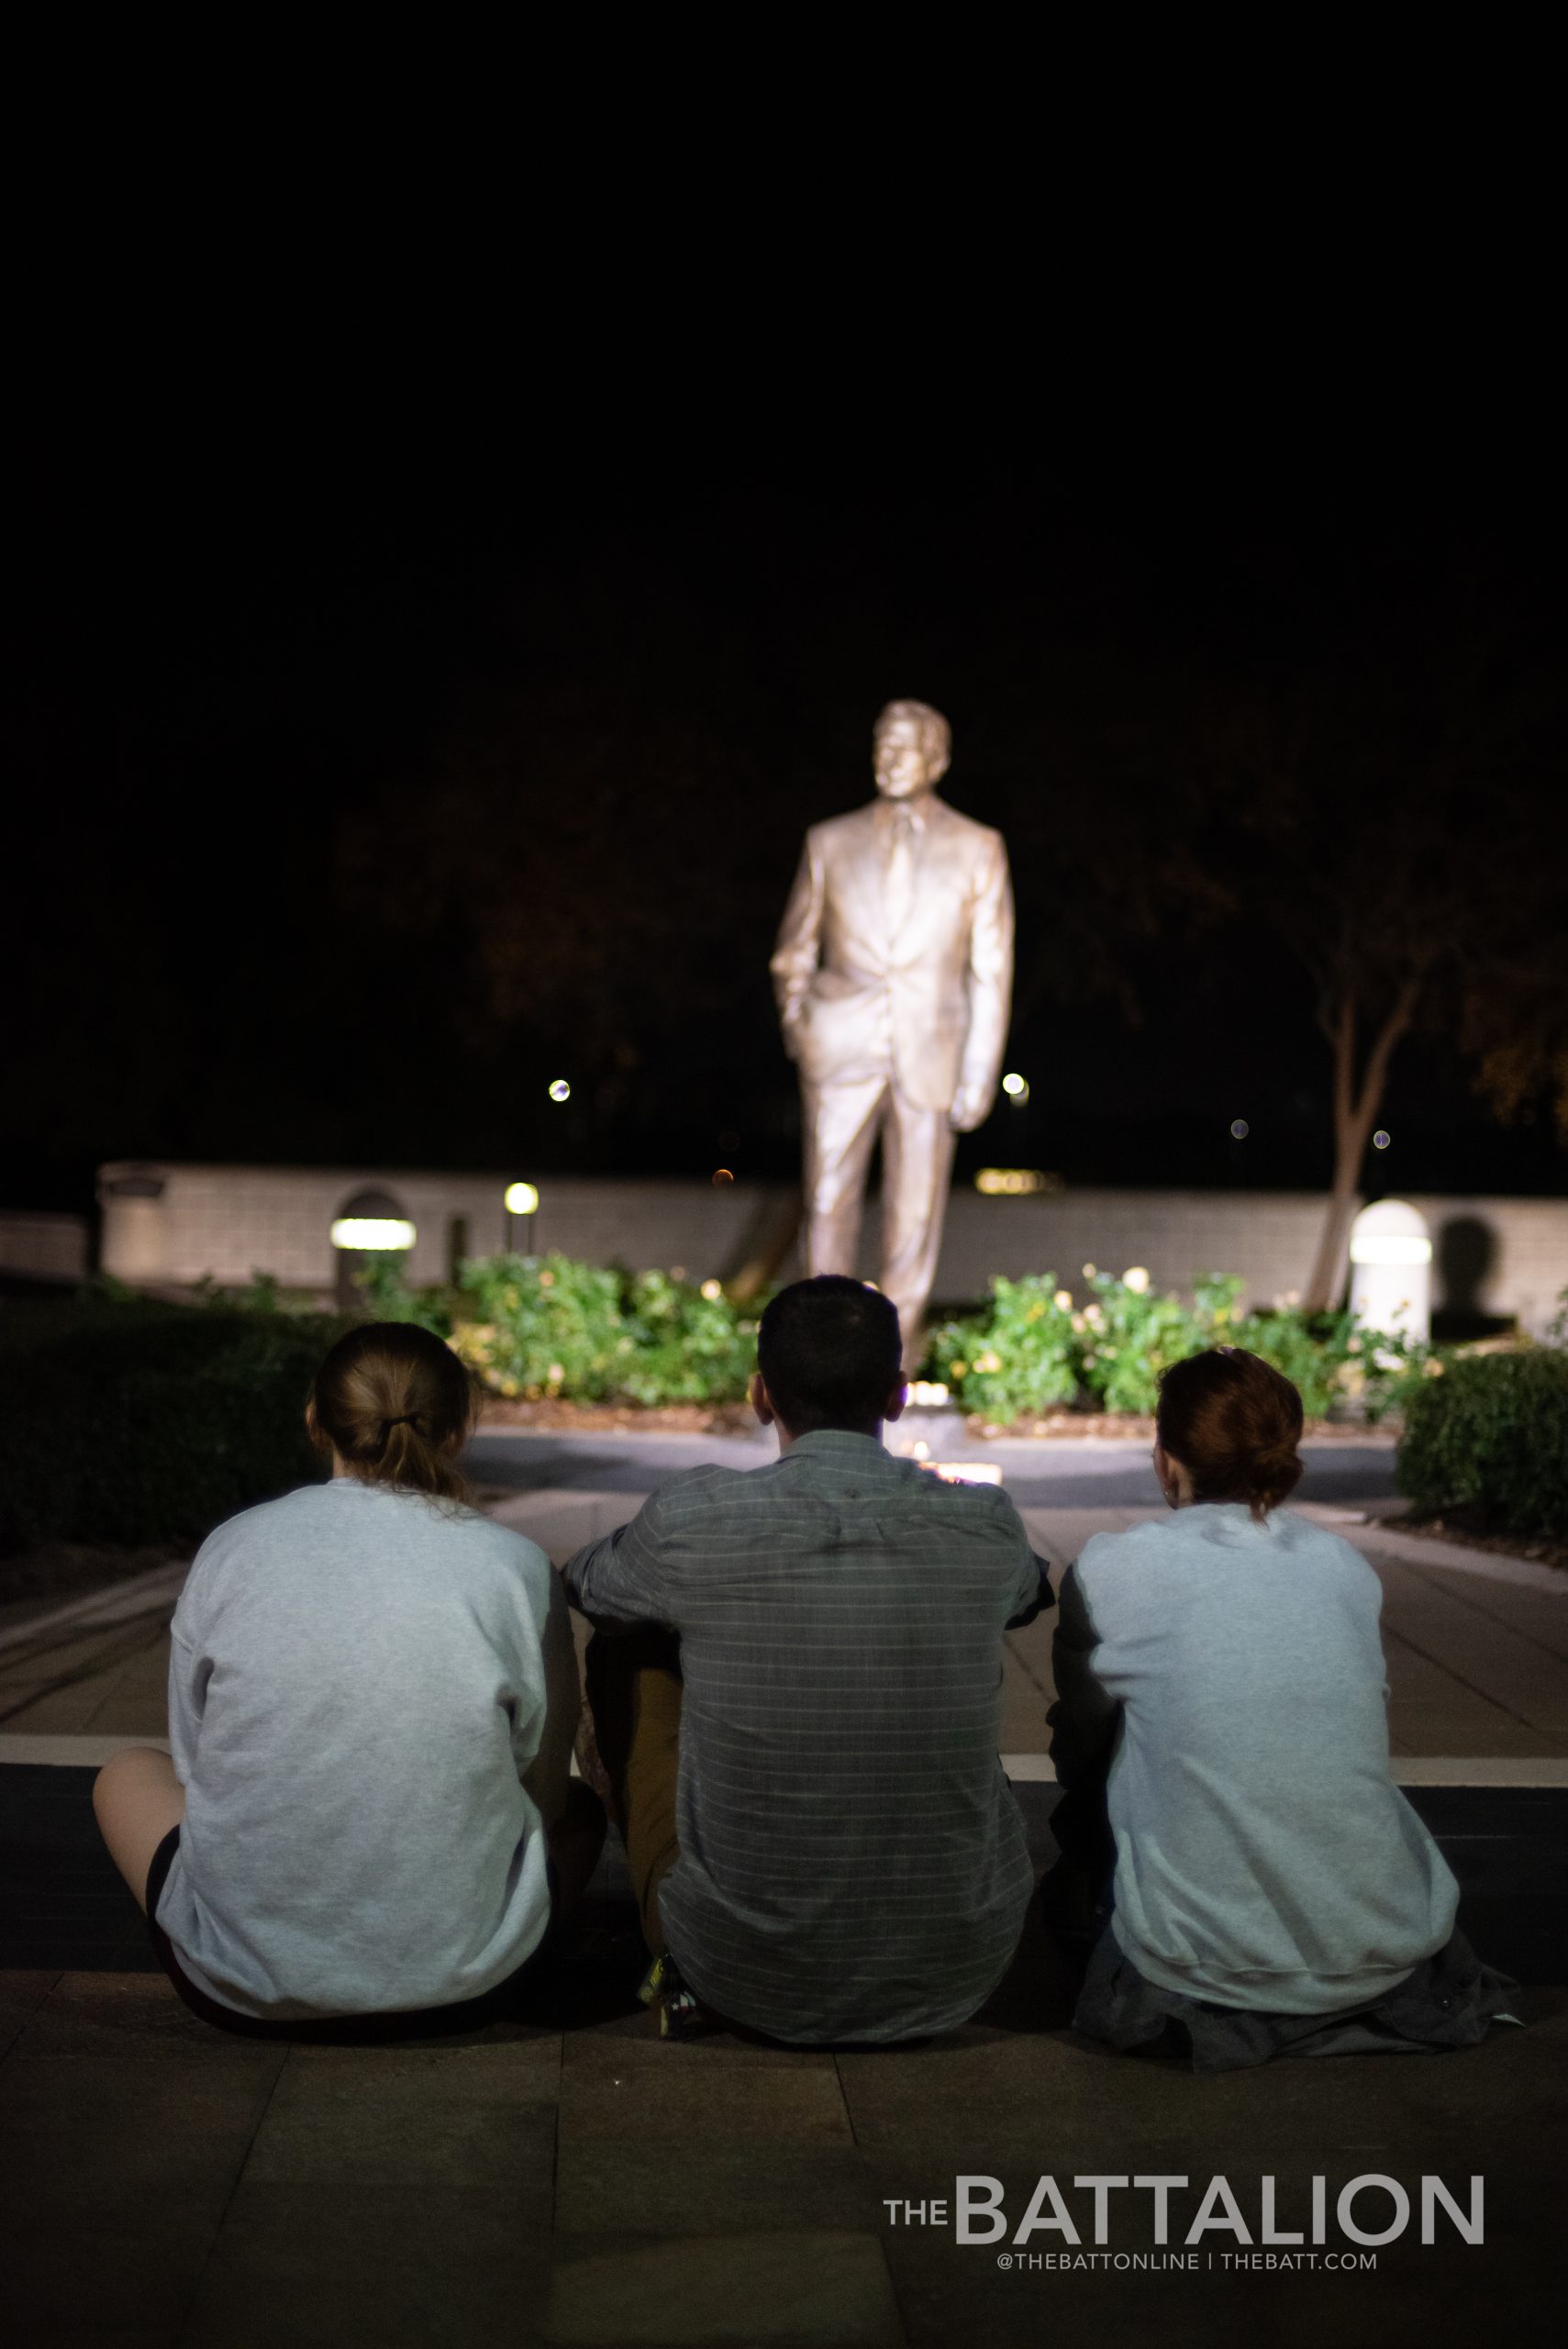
(804, 1758)
(372, 1694)
(1221, 1738)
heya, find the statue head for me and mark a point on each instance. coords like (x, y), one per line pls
(910, 746)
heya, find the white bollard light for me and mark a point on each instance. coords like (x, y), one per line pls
(1391, 1270)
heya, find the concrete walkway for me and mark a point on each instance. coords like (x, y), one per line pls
(566, 2178)
(591, 2185)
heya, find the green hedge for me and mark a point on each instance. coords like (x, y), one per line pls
(133, 1422)
(1491, 1435)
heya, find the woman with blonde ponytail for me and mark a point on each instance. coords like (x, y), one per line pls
(367, 1825)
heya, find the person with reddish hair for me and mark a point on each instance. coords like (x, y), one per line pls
(1220, 1736)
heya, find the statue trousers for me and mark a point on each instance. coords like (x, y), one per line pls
(842, 1123)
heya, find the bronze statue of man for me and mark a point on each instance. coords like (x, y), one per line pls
(893, 972)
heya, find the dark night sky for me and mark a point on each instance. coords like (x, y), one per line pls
(250, 641)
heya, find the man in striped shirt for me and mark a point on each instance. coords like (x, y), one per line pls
(817, 1824)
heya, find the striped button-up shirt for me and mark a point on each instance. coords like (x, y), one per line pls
(852, 1865)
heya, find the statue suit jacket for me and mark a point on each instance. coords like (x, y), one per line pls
(927, 1006)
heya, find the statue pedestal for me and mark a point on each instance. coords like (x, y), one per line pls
(926, 1433)
(937, 1438)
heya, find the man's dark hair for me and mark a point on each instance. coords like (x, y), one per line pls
(830, 1354)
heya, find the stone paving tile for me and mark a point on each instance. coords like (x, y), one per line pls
(804, 2290)
(48, 2336)
(63, 2118)
(713, 2186)
(22, 1991)
(631, 2039)
(329, 2266)
(73, 2268)
(467, 2116)
(1448, 1719)
(1538, 1616)
(117, 2172)
(648, 2104)
(123, 1669)
(126, 2015)
(984, 2089)
(1502, 1664)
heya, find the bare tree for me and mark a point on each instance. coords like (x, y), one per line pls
(1398, 821)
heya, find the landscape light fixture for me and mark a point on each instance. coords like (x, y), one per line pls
(1390, 1247)
(1013, 1182)
(1015, 1087)
(560, 1090)
(1381, 1139)
(1391, 1258)
(1239, 1128)
(521, 1199)
(370, 1234)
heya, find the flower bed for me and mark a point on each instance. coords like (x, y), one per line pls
(539, 1328)
(1039, 1347)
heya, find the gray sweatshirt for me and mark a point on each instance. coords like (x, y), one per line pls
(1264, 1856)
(355, 1687)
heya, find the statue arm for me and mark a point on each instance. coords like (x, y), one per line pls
(990, 992)
(799, 939)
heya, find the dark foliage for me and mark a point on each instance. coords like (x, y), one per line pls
(1492, 1436)
(142, 1423)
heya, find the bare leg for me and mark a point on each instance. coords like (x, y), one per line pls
(136, 1799)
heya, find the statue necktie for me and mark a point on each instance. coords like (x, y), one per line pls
(900, 871)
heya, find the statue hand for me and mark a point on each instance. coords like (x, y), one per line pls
(969, 1110)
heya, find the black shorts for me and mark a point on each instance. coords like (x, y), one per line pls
(418, 2022)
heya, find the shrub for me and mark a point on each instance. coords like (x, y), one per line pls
(1018, 1356)
(689, 1345)
(137, 1422)
(382, 1283)
(540, 1326)
(1032, 1348)
(1490, 1433)
(1132, 1333)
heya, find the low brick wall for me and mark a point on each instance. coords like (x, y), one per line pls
(43, 1247)
(172, 1224)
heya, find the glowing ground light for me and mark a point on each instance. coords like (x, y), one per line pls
(1391, 1248)
(522, 1198)
(1015, 1087)
(1381, 1139)
(1239, 1128)
(560, 1090)
(721, 1174)
(366, 1233)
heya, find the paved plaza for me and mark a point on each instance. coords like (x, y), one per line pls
(566, 2177)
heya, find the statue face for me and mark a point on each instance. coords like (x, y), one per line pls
(909, 755)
